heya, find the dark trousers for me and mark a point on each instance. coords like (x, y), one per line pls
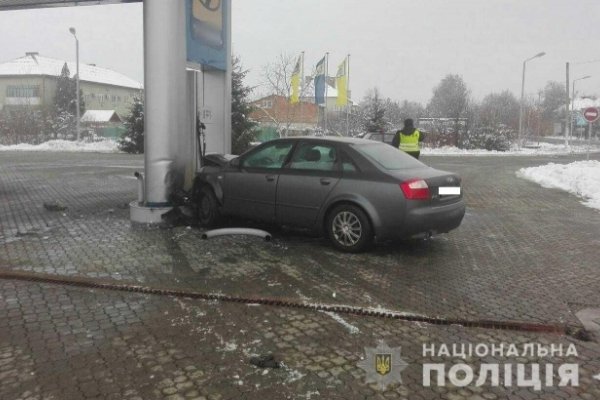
(415, 154)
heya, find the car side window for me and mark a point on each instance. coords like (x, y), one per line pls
(314, 157)
(347, 164)
(271, 156)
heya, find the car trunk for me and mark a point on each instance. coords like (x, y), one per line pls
(435, 179)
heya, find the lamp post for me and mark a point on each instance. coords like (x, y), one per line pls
(573, 102)
(74, 33)
(523, 96)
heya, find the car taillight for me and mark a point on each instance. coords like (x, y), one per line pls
(415, 189)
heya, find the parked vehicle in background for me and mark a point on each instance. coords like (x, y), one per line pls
(351, 190)
(386, 137)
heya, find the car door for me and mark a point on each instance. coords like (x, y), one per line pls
(306, 182)
(250, 189)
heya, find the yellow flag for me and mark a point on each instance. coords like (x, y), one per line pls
(295, 97)
(341, 82)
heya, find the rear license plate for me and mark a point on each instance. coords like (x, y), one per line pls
(449, 190)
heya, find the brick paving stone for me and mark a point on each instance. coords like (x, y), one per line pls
(209, 371)
(523, 253)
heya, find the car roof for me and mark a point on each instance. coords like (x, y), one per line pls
(338, 139)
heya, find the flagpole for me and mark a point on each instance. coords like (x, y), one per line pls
(314, 81)
(347, 99)
(301, 89)
(326, 90)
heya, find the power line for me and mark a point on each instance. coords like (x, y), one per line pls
(587, 62)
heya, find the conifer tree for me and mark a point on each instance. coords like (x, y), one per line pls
(242, 128)
(133, 138)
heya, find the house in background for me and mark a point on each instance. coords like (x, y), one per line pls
(277, 117)
(103, 123)
(31, 81)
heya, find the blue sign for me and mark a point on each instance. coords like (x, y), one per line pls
(579, 120)
(207, 37)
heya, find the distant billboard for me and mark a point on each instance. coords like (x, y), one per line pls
(24, 4)
(207, 27)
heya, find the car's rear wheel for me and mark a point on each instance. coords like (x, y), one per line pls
(207, 207)
(349, 228)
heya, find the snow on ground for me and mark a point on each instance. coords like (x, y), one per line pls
(111, 146)
(351, 328)
(103, 146)
(527, 150)
(581, 178)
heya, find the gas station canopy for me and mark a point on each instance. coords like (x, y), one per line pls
(25, 4)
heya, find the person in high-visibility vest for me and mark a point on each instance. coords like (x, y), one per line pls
(408, 138)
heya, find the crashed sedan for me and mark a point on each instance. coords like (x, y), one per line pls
(354, 191)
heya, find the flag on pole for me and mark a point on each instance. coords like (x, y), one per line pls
(295, 97)
(341, 82)
(320, 82)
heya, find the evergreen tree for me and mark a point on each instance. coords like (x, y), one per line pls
(133, 138)
(242, 128)
(374, 112)
(65, 104)
(64, 98)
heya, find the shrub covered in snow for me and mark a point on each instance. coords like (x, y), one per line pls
(488, 138)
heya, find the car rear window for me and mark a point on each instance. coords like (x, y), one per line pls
(387, 156)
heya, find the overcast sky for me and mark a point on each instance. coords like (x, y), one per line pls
(402, 47)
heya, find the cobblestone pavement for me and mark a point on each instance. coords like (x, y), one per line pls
(523, 253)
(68, 343)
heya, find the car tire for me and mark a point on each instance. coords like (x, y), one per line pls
(349, 228)
(207, 207)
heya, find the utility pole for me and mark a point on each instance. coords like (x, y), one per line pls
(74, 33)
(567, 113)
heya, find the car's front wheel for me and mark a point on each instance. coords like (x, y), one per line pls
(207, 207)
(349, 228)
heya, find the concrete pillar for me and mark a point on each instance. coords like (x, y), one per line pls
(165, 116)
(165, 107)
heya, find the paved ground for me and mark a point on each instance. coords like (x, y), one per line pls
(523, 253)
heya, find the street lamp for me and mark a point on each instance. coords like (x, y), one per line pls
(523, 96)
(573, 102)
(74, 33)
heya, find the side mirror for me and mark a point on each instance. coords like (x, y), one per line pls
(235, 163)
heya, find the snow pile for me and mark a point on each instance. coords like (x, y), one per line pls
(541, 149)
(581, 178)
(103, 146)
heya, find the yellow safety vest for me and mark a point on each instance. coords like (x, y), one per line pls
(410, 142)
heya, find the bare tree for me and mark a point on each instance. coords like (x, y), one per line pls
(451, 100)
(396, 112)
(277, 81)
(277, 75)
(499, 109)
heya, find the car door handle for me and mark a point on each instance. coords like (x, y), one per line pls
(270, 178)
(325, 181)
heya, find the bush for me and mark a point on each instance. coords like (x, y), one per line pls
(489, 138)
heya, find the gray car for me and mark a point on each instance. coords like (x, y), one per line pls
(386, 137)
(351, 190)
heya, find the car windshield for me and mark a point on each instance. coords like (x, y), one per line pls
(387, 156)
